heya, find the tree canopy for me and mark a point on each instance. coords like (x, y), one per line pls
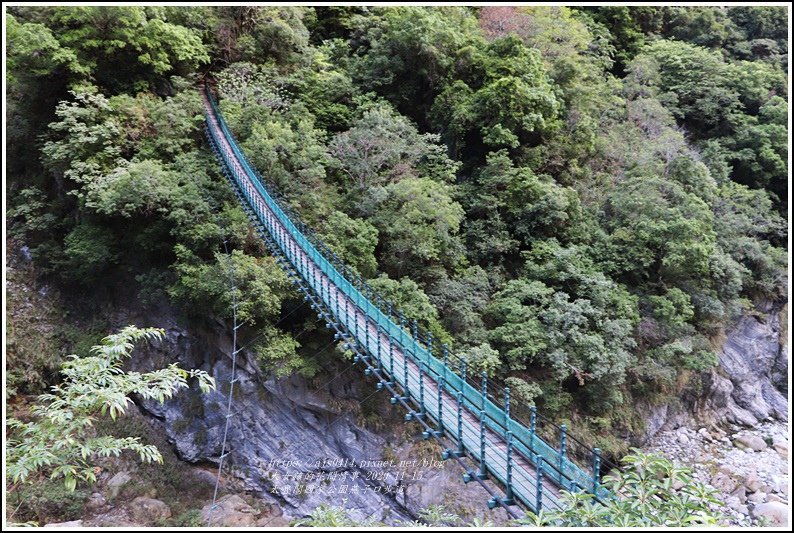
(580, 199)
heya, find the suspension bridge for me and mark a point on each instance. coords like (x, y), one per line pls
(519, 457)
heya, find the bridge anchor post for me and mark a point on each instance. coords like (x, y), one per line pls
(508, 499)
(538, 483)
(483, 471)
(391, 364)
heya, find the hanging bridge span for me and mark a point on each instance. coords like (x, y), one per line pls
(519, 457)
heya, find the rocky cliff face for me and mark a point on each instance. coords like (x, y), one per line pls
(283, 429)
(273, 424)
(748, 387)
(750, 384)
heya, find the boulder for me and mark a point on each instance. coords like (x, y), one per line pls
(752, 442)
(740, 493)
(723, 482)
(734, 504)
(727, 469)
(757, 497)
(116, 483)
(230, 511)
(148, 510)
(753, 482)
(781, 447)
(775, 512)
(95, 501)
(205, 477)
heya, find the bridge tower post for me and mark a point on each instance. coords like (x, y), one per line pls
(441, 384)
(377, 343)
(367, 304)
(460, 424)
(440, 419)
(509, 499)
(483, 472)
(484, 390)
(507, 408)
(336, 295)
(415, 338)
(460, 451)
(355, 322)
(406, 392)
(538, 483)
(405, 373)
(391, 362)
(533, 420)
(347, 313)
(367, 347)
(422, 388)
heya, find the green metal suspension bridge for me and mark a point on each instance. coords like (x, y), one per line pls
(526, 456)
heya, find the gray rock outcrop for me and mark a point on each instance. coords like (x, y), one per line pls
(775, 512)
(282, 432)
(747, 387)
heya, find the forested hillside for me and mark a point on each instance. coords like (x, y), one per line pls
(579, 200)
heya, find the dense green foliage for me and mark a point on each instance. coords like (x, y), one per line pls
(577, 199)
(59, 438)
(648, 498)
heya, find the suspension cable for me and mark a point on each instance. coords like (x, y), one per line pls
(232, 380)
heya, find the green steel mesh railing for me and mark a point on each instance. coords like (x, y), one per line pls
(434, 379)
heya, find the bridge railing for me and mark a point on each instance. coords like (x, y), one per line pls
(521, 421)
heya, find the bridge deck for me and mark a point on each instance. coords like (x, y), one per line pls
(422, 382)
